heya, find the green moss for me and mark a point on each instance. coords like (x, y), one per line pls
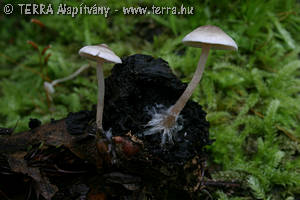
(251, 96)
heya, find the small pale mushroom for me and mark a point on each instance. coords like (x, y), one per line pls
(205, 37)
(100, 53)
(49, 87)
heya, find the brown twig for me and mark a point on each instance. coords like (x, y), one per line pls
(2, 194)
(287, 133)
(283, 15)
(221, 183)
(291, 136)
(67, 171)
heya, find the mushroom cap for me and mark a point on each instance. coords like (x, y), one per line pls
(210, 35)
(49, 87)
(100, 53)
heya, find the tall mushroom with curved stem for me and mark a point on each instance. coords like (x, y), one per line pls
(100, 53)
(205, 37)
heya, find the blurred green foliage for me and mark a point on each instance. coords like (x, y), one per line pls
(251, 96)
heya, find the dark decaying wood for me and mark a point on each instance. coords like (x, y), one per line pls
(65, 160)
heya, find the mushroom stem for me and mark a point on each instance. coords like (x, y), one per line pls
(176, 109)
(100, 104)
(81, 69)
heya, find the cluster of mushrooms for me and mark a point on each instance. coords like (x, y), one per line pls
(205, 37)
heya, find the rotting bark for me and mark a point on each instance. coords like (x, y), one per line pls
(64, 159)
